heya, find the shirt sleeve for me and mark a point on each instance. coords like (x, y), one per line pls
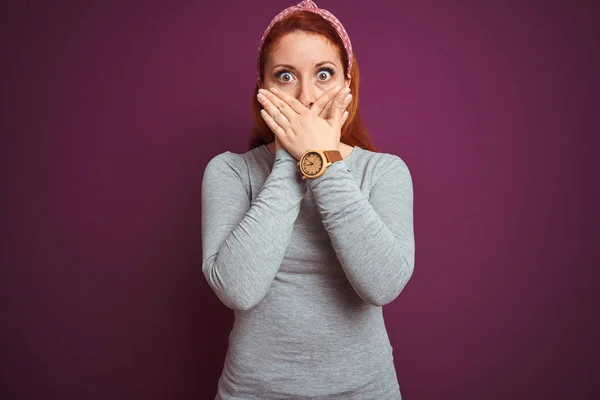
(373, 237)
(244, 242)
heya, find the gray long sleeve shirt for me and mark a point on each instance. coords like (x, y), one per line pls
(307, 265)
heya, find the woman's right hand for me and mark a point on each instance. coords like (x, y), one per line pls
(324, 112)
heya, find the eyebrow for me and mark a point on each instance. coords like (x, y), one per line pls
(316, 65)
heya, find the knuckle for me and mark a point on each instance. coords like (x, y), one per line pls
(295, 102)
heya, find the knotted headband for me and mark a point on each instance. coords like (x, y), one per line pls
(308, 5)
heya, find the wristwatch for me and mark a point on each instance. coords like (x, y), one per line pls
(313, 163)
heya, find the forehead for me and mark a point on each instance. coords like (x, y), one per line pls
(303, 49)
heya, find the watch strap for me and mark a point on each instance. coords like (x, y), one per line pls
(333, 155)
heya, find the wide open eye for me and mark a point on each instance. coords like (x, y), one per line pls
(325, 74)
(284, 76)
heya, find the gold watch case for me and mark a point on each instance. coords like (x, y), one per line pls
(313, 163)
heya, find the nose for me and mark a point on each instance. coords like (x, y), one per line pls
(307, 93)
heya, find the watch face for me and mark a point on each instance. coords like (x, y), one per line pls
(312, 163)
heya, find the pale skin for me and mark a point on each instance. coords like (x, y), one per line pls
(307, 95)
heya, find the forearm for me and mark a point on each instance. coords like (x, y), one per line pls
(376, 255)
(243, 267)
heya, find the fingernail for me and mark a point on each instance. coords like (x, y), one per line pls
(337, 87)
(347, 90)
(347, 99)
(261, 91)
(260, 97)
(274, 90)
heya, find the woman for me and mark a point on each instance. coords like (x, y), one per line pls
(307, 246)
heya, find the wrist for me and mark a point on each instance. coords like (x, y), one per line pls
(313, 163)
(281, 152)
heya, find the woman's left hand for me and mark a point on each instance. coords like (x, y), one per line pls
(299, 128)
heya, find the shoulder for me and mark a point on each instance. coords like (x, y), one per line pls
(229, 169)
(232, 163)
(226, 162)
(379, 163)
(226, 169)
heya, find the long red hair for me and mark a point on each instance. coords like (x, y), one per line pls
(354, 133)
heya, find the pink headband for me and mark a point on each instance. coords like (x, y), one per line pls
(308, 5)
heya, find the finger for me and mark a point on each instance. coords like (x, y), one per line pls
(277, 116)
(277, 130)
(327, 112)
(292, 102)
(339, 104)
(322, 102)
(276, 105)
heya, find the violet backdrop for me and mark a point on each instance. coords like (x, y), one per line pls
(112, 109)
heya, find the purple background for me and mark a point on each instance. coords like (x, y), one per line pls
(111, 110)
